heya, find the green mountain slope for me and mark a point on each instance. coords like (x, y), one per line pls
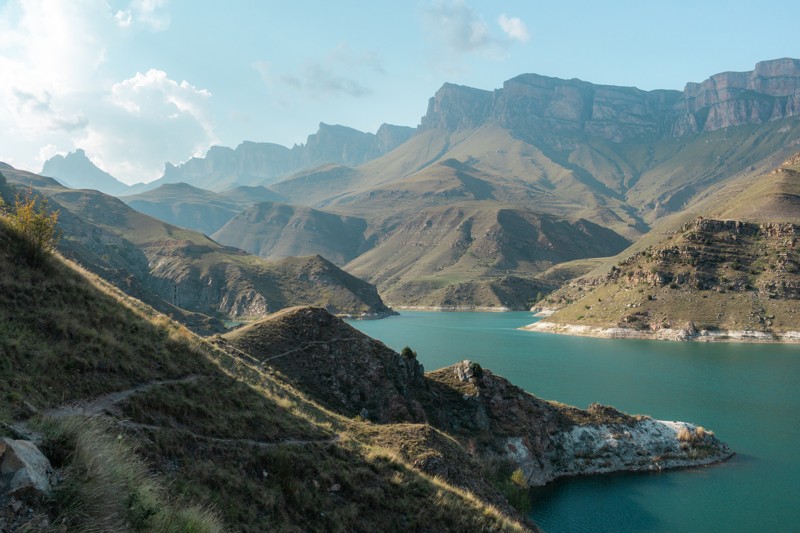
(427, 256)
(189, 207)
(170, 266)
(276, 231)
(733, 275)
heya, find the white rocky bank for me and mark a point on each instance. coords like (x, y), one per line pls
(671, 334)
(645, 445)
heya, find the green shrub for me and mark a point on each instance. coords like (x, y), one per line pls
(408, 353)
(35, 225)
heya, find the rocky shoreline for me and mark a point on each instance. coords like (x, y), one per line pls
(670, 334)
(646, 445)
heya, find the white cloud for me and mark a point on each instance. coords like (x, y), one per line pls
(326, 77)
(148, 119)
(514, 27)
(124, 18)
(151, 13)
(461, 28)
(56, 94)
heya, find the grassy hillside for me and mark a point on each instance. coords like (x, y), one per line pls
(173, 267)
(736, 274)
(183, 205)
(276, 231)
(153, 451)
(441, 247)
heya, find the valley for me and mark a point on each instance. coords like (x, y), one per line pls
(262, 337)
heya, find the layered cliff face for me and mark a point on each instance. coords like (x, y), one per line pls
(735, 276)
(771, 91)
(531, 104)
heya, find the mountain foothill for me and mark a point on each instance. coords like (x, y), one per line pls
(481, 203)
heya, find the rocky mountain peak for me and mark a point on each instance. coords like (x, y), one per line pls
(532, 104)
(77, 171)
(771, 91)
(455, 107)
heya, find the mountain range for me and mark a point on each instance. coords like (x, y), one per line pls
(492, 186)
(728, 267)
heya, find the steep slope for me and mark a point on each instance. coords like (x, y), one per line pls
(276, 231)
(708, 279)
(77, 171)
(197, 209)
(121, 405)
(444, 246)
(191, 271)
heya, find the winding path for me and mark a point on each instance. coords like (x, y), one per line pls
(107, 404)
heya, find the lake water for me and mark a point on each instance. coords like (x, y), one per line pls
(748, 394)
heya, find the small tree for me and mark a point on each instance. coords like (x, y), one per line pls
(408, 353)
(36, 225)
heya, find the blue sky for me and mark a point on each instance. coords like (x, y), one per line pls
(137, 83)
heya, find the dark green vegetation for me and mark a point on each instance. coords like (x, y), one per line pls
(187, 274)
(737, 274)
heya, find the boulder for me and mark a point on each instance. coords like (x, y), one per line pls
(24, 470)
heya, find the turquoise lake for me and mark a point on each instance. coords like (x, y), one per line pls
(748, 394)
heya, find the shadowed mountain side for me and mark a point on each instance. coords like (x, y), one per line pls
(442, 246)
(707, 279)
(193, 272)
(317, 186)
(117, 398)
(275, 231)
(197, 209)
(337, 364)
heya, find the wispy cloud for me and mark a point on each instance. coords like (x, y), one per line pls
(460, 27)
(463, 31)
(514, 27)
(151, 14)
(325, 77)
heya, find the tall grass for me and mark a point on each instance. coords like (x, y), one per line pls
(105, 487)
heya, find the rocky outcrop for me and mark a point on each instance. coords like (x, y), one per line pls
(771, 91)
(358, 376)
(24, 470)
(548, 440)
(533, 105)
(456, 107)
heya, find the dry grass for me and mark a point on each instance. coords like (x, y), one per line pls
(105, 486)
(213, 443)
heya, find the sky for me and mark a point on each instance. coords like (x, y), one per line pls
(138, 83)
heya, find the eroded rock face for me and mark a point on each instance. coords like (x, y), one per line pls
(531, 104)
(548, 440)
(24, 470)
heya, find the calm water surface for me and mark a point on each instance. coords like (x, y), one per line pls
(748, 394)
